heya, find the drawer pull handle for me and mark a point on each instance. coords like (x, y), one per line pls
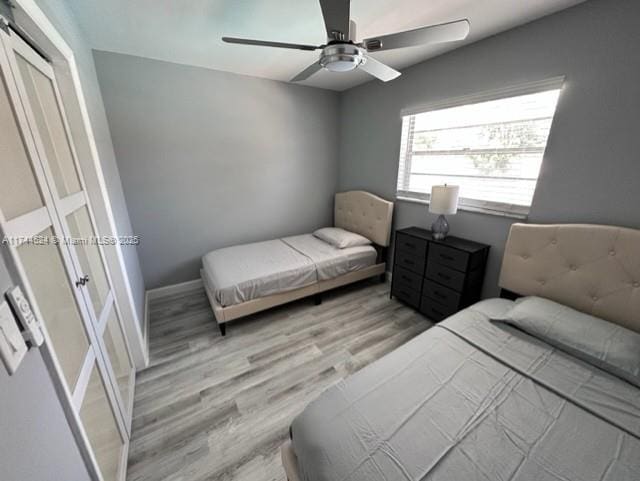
(437, 311)
(440, 295)
(409, 244)
(444, 276)
(446, 257)
(410, 262)
(406, 278)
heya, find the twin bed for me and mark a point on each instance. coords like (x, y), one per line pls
(477, 398)
(246, 279)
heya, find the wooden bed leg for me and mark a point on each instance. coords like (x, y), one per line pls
(223, 328)
(383, 277)
(317, 299)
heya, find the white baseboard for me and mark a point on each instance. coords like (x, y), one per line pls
(173, 289)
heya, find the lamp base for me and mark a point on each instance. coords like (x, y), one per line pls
(440, 228)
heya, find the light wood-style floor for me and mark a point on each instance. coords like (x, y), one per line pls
(214, 408)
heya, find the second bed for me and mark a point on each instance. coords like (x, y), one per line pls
(245, 279)
(251, 271)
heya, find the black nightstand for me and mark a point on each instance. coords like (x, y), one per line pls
(437, 277)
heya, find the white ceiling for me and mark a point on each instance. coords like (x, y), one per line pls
(189, 31)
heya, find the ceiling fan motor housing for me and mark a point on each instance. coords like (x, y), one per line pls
(341, 57)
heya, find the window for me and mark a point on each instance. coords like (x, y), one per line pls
(492, 149)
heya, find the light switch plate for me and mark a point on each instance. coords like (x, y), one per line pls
(12, 345)
(32, 329)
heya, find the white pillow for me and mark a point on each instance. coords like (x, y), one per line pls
(341, 238)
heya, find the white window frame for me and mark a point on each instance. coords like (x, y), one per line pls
(473, 205)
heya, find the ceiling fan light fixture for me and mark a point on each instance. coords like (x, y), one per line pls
(341, 57)
(345, 65)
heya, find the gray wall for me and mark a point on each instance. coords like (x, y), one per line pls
(57, 11)
(36, 442)
(210, 159)
(591, 170)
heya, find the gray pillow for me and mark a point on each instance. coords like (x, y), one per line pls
(341, 238)
(596, 341)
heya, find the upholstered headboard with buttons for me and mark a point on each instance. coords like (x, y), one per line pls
(592, 268)
(365, 214)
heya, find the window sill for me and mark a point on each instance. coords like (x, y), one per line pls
(467, 208)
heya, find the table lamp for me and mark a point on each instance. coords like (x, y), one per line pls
(444, 200)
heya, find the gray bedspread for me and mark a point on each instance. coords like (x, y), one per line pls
(244, 272)
(330, 261)
(473, 400)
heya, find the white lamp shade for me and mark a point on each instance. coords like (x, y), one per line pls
(444, 199)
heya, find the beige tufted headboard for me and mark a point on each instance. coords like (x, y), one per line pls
(365, 214)
(592, 268)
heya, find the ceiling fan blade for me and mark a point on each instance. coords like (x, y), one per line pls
(307, 72)
(336, 18)
(378, 69)
(262, 43)
(445, 32)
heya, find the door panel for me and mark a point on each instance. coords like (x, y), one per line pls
(45, 270)
(19, 191)
(54, 144)
(50, 124)
(89, 258)
(119, 357)
(101, 427)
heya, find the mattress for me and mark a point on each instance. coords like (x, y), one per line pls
(240, 273)
(471, 399)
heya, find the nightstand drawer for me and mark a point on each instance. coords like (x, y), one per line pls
(405, 294)
(407, 278)
(435, 311)
(449, 257)
(411, 245)
(410, 261)
(444, 295)
(445, 275)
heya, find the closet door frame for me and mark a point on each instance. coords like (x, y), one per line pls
(65, 206)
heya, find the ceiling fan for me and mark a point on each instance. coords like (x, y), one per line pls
(342, 52)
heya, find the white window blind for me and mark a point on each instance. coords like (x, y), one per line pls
(492, 149)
